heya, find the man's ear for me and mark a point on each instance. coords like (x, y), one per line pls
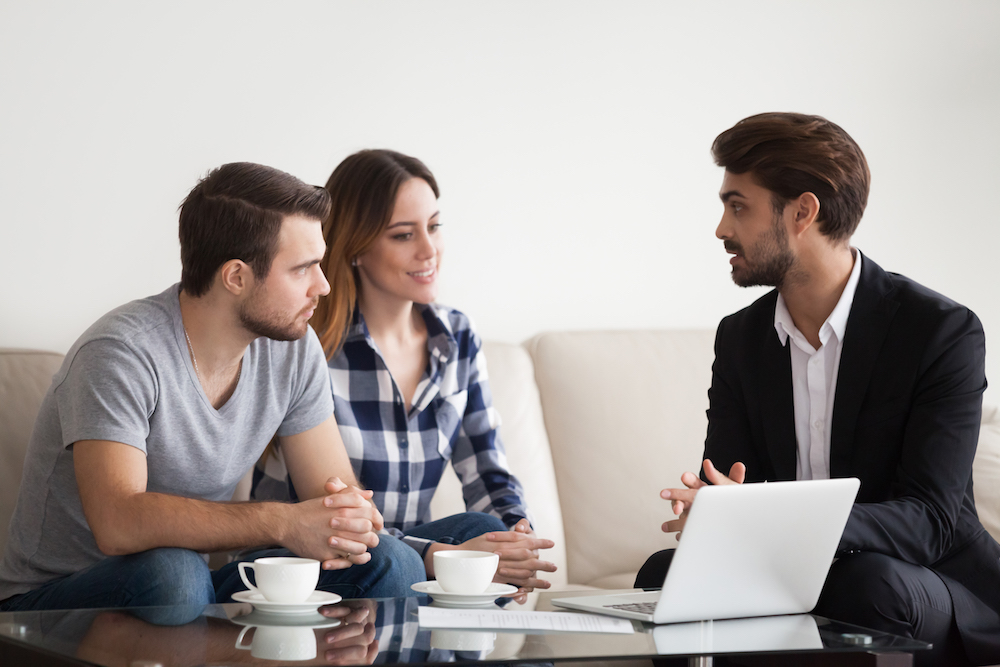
(805, 209)
(236, 276)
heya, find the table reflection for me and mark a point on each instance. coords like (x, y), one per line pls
(352, 632)
(365, 632)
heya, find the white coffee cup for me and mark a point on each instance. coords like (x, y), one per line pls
(280, 643)
(282, 579)
(468, 572)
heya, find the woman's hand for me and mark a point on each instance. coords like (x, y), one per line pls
(518, 551)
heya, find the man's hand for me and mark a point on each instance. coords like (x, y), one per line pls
(681, 499)
(334, 485)
(337, 529)
(518, 551)
(353, 642)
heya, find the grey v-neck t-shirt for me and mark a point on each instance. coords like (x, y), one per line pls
(130, 379)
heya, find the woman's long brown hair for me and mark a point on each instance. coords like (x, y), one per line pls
(363, 192)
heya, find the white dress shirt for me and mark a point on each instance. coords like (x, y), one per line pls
(814, 378)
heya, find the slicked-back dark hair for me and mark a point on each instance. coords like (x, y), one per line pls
(236, 213)
(792, 153)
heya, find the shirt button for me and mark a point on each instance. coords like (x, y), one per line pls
(403, 443)
(404, 487)
(818, 424)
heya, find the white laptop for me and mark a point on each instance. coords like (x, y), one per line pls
(747, 550)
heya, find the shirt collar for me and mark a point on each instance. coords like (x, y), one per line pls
(835, 324)
(441, 341)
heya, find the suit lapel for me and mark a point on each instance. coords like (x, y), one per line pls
(867, 326)
(777, 406)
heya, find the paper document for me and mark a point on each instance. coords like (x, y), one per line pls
(488, 619)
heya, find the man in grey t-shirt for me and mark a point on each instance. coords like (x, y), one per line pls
(165, 403)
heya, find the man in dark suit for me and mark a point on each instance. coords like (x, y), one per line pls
(846, 370)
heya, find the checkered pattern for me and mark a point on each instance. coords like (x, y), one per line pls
(401, 456)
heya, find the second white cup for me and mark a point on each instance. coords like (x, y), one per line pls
(282, 579)
(466, 572)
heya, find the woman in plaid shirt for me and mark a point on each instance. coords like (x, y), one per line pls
(409, 378)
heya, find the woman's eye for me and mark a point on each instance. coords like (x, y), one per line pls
(403, 237)
(434, 227)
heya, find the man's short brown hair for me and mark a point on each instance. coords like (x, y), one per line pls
(236, 213)
(792, 153)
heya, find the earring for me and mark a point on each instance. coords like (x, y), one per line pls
(354, 262)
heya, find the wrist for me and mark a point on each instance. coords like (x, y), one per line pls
(277, 519)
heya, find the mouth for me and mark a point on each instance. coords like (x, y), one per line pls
(735, 250)
(423, 274)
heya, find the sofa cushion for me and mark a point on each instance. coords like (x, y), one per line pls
(986, 471)
(25, 376)
(522, 430)
(625, 415)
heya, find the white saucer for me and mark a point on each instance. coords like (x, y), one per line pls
(316, 599)
(264, 619)
(438, 594)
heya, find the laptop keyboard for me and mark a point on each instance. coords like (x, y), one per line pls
(638, 607)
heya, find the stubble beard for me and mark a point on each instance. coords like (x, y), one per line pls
(769, 260)
(269, 323)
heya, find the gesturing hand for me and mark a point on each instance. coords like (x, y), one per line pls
(681, 499)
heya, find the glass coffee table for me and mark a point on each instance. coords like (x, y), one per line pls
(360, 632)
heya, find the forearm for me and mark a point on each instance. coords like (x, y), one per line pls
(148, 520)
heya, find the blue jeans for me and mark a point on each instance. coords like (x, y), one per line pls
(394, 567)
(158, 577)
(457, 528)
(180, 578)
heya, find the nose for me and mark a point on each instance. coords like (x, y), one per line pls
(723, 231)
(321, 286)
(427, 249)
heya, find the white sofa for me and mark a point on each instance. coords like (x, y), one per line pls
(595, 424)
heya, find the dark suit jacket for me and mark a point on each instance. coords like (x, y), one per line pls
(905, 422)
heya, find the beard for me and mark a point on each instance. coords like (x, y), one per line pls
(768, 260)
(260, 320)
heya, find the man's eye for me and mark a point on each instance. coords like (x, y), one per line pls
(737, 207)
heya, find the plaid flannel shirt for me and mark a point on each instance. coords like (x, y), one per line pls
(401, 456)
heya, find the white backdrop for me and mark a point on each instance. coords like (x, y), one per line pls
(571, 140)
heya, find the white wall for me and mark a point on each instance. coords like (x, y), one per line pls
(571, 140)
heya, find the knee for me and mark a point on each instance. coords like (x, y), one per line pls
(867, 589)
(395, 566)
(654, 570)
(477, 523)
(170, 576)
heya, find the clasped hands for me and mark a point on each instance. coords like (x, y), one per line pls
(347, 520)
(681, 499)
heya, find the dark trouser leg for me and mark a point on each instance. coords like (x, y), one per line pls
(883, 593)
(654, 570)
